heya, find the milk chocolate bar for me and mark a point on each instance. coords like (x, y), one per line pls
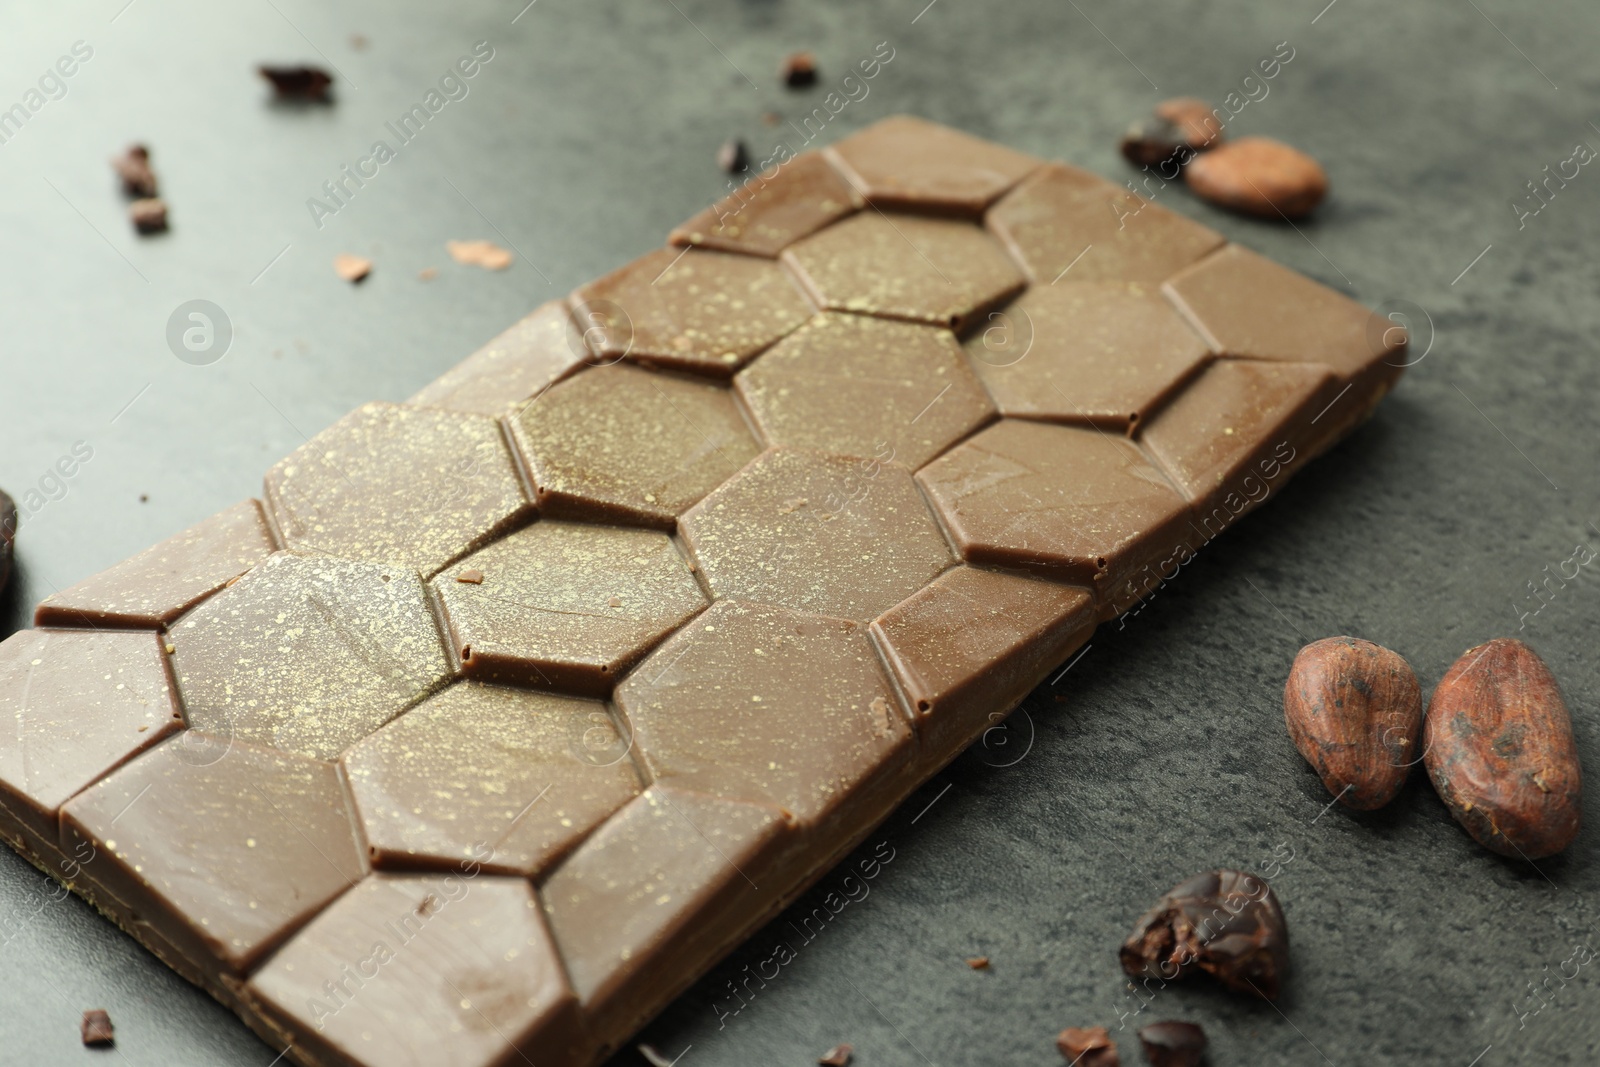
(510, 709)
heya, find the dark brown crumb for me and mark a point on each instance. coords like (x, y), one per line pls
(298, 83)
(133, 167)
(799, 70)
(733, 157)
(96, 1028)
(149, 215)
(837, 1056)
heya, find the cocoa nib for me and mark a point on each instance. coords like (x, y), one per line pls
(1174, 134)
(133, 168)
(96, 1029)
(1173, 1044)
(1225, 923)
(298, 83)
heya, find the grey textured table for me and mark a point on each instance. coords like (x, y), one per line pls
(1161, 751)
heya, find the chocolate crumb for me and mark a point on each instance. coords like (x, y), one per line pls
(298, 83)
(96, 1028)
(470, 577)
(149, 215)
(144, 498)
(358, 41)
(799, 70)
(771, 118)
(978, 963)
(427, 905)
(351, 268)
(133, 167)
(615, 602)
(171, 649)
(733, 157)
(428, 274)
(837, 1056)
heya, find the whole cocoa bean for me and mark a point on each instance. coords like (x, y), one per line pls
(1498, 745)
(1258, 176)
(1354, 710)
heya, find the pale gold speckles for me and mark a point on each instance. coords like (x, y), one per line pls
(881, 545)
(525, 773)
(308, 653)
(407, 486)
(625, 444)
(552, 613)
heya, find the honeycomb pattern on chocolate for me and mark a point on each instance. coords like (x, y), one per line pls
(520, 703)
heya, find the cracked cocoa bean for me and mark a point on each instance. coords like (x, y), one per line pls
(1225, 923)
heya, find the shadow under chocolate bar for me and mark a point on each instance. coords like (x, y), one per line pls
(512, 708)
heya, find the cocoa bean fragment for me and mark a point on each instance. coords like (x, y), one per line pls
(1225, 923)
(1354, 710)
(133, 168)
(1173, 1044)
(1259, 176)
(1498, 745)
(1088, 1046)
(1174, 134)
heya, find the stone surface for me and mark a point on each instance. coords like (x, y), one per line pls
(456, 970)
(1065, 223)
(507, 778)
(699, 311)
(567, 606)
(309, 654)
(657, 444)
(513, 367)
(904, 161)
(772, 209)
(159, 584)
(866, 387)
(398, 485)
(821, 533)
(1072, 501)
(1105, 353)
(938, 271)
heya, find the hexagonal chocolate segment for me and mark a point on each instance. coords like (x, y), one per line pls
(909, 162)
(855, 384)
(832, 535)
(938, 271)
(452, 969)
(759, 703)
(404, 486)
(972, 645)
(75, 704)
(159, 584)
(566, 606)
(230, 844)
(1065, 223)
(773, 209)
(507, 778)
(513, 367)
(308, 653)
(1247, 305)
(705, 312)
(1229, 436)
(1104, 353)
(1072, 501)
(631, 907)
(623, 444)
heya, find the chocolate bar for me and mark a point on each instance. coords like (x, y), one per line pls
(512, 708)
